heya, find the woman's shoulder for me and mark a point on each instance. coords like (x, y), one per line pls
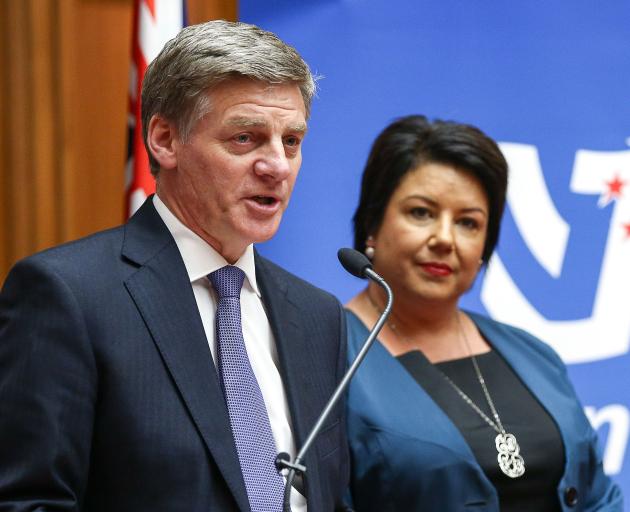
(357, 330)
(517, 337)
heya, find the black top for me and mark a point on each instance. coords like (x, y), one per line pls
(521, 414)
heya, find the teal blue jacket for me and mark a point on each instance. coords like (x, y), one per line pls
(408, 455)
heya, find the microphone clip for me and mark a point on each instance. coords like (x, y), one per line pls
(283, 461)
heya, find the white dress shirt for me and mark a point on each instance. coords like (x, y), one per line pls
(200, 259)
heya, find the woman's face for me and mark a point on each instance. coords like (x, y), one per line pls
(432, 237)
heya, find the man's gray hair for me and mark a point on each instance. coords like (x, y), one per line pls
(202, 56)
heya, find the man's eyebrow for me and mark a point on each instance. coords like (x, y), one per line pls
(249, 122)
(245, 122)
(298, 127)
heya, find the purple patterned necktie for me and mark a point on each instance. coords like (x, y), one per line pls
(246, 407)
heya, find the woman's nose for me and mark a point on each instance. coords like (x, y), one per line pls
(442, 236)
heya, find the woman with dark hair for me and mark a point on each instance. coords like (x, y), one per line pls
(451, 410)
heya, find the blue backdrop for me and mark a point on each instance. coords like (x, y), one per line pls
(550, 81)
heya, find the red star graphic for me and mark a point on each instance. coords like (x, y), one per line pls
(615, 186)
(626, 226)
(613, 190)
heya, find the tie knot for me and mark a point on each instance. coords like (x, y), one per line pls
(227, 281)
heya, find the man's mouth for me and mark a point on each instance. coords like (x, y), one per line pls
(264, 200)
(264, 205)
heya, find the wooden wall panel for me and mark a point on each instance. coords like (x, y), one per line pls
(63, 107)
(99, 111)
(203, 10)
(16, 112)
(30, 111)
(44, 202)
(4, 144)
(69, 85)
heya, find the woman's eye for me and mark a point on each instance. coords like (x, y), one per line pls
(469, 223)
(420, 213)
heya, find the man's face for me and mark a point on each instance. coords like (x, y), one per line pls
(233, 178)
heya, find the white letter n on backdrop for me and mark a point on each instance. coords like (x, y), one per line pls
(606, 333)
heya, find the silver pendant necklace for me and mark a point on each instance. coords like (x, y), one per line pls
(509, 455)
(509, 452)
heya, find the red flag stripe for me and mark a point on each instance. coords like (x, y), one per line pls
(154, 23)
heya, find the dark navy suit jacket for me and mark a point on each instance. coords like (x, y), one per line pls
(408, 455)
(109, 398)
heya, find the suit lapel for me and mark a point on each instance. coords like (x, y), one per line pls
(162, 293)
(416, 403)
(296, 363)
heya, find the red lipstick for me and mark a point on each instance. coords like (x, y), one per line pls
(437, 269)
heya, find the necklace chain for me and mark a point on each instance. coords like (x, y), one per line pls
(498, 426)
(509, 458)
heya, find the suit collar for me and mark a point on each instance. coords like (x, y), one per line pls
(145, 235)
(163, 295)
(200, 258)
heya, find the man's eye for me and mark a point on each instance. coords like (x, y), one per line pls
(292, 141)
(243, 138)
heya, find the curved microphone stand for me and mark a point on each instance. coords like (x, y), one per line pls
(358, 265)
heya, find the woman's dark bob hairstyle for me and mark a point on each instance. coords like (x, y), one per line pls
(412, 141)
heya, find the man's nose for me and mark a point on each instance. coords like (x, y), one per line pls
(273, 162)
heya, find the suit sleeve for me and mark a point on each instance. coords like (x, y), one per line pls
(603, 494)
(47, 392)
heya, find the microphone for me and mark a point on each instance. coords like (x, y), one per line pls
(358, 265)
(354, 262)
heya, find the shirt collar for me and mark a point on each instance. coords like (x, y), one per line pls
(200, 258)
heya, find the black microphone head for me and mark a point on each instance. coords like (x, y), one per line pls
(354, 261)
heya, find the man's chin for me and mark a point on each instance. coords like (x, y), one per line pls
(262, 232)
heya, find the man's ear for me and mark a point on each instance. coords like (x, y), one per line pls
(160, 137)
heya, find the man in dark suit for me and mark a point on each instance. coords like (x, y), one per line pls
(134, 373)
